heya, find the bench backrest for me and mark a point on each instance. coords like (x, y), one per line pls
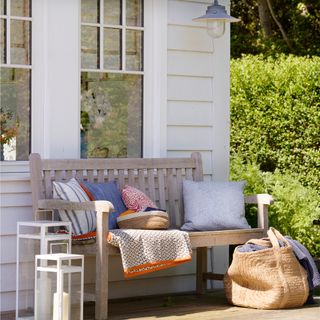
(160, 178)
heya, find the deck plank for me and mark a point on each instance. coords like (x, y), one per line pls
(211, 306)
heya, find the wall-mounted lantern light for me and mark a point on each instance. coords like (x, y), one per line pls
(216, 16)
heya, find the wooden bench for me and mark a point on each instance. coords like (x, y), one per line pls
(161, 180)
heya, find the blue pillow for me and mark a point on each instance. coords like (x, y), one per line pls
(107, 191)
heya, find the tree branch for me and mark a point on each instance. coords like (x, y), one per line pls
(284, 35)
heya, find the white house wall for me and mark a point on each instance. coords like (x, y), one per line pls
(196, 119)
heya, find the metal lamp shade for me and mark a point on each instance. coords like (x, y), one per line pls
(216, 16)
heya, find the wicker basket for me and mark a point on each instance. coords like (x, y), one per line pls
(271, 278)
(144, 220)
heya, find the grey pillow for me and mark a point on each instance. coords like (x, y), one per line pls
(212, 205)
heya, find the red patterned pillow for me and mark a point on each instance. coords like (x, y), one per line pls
(135, 199)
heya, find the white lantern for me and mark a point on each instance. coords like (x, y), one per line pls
(59, 287)
(34, 237)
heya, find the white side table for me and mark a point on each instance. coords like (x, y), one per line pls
(34, 237)
(59, 286)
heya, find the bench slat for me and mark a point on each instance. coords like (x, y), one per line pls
(121, 164)
(224, 237)
(162, 196)
(151, 184)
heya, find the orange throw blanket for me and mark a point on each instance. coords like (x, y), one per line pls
(144, 251)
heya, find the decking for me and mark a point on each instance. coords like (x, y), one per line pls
(212, 306)
(209, 307)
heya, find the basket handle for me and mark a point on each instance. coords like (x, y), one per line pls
(274, 236)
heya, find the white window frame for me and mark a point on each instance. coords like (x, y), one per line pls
(154, 71)
(56, 70)
(16, 166)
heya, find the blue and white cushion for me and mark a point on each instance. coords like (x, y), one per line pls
(83, 221)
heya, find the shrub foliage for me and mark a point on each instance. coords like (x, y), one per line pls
(275, 114)
(275, 139)
(295, 206)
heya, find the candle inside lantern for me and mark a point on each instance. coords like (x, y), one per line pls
(56, 315)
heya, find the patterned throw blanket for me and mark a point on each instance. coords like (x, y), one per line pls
(144, 251)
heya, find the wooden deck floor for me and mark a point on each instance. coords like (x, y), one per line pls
(209, 307)
(212, 306)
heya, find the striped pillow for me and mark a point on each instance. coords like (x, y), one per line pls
(82, 221)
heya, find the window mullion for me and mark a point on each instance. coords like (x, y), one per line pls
(123, 43)
(8, 35)
(101, 44)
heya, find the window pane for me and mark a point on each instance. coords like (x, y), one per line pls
(111, 115)
(20, 42)
(112, 49)
(90, 11)
(134, 50)
(134, 13)
(3, 6)
(15, 113)
(112, 12)
(21, 8)
(3, 39)
(89, 47)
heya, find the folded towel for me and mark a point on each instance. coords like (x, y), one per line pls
(144, 251)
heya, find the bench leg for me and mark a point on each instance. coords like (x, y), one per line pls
(102, 259)
(201, 285)
(101, 305)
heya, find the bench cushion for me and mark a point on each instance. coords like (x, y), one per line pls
(83, 221)
(135, 199)
(213, 205)
(106, 191)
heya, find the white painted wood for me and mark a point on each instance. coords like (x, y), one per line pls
(221, 112)
(189, 113)
(8, 249)
(155, 79)
(189, 138)
(134, 288)
(8, 167)
(62, 101)
(182, 12)
(190, 88)
(188, 39)
(39, 71)
(190, 63)
(12, 187)
(10, 216)
(15, 200)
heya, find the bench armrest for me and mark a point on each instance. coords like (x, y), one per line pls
(263, 201)
(98, 206)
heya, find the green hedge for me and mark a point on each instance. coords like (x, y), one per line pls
(275, 117)
(295, 206)
(275, 139)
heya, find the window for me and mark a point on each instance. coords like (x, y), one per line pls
(15, 79)
(112, 34)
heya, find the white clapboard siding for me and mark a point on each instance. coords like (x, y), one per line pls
(188, 39)
(189, 113)
(9, 225)
(186, 63)
(189, 138)
(189, 88)
(8, 248)
(15, 205)
(182, 12)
